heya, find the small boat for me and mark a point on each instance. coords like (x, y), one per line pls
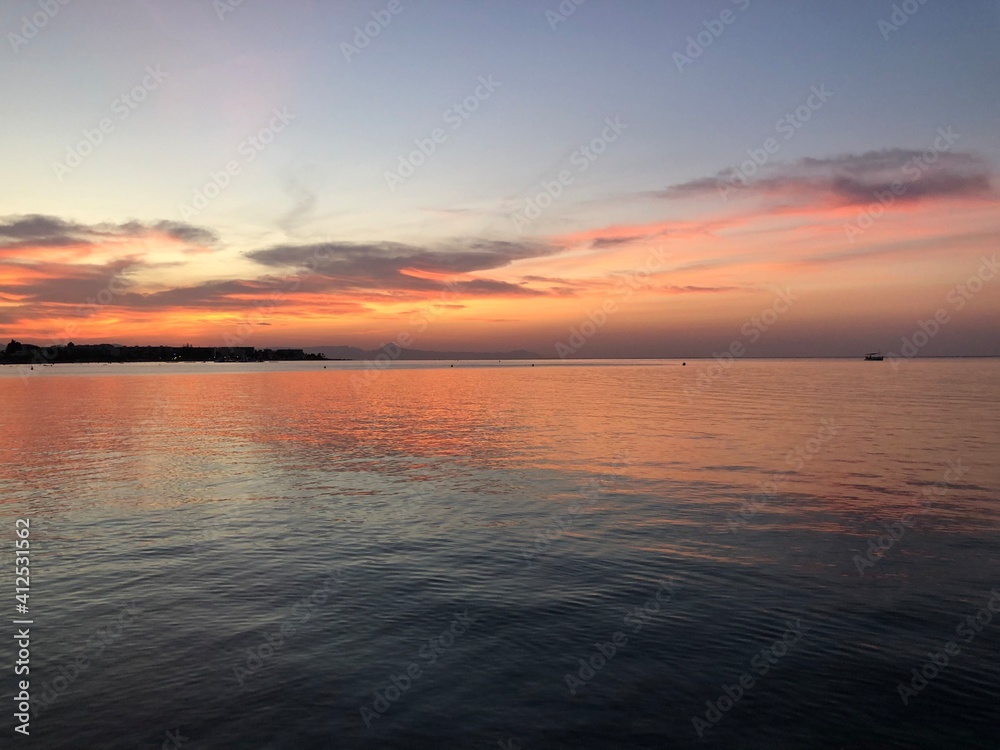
(874, 357)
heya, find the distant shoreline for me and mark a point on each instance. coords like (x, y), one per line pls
(17, 353)
(484, 360)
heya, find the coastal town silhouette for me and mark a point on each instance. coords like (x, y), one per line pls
(17, 353)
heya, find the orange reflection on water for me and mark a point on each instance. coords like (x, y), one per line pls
(191, 433)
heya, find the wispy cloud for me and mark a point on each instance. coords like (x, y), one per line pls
(52, 269)
(41, 231)
(304, 200)
(853, 179)
(691, 289)
(392, 266)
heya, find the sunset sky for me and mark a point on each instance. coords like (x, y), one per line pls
(495, 175)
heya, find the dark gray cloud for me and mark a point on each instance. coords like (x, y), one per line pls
(693, 187)
(38, 230)
(46, 287)
(76, 290)
(853, 179)
(689, 289)
(384, 265)
(603, 242)
(338, 278)
(186, 232)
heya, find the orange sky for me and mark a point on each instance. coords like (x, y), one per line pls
(675, 287)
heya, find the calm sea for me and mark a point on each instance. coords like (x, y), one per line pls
(777, 554)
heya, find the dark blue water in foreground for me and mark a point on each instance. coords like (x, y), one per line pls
(475, 557)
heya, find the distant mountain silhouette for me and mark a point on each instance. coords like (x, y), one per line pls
(353, 352)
